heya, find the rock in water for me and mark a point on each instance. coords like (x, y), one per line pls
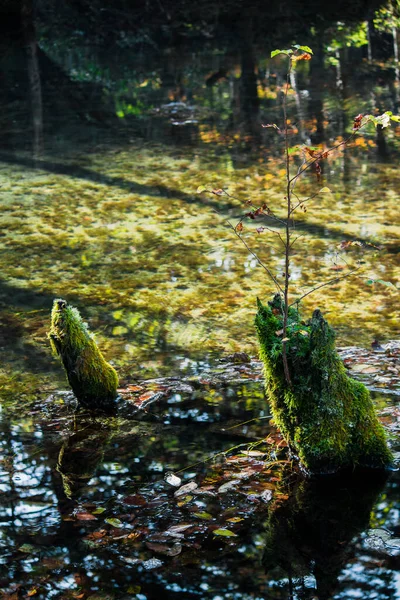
(327, 418)
(93, 381)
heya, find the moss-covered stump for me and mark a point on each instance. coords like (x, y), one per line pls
(327, 418)
(93, 381)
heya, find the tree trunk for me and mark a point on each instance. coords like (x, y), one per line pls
(327, 418)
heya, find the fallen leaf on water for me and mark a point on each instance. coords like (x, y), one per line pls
(185, 489)
(228, 486)
(114, 522)
(203, 515)
(172, 479)
(363, 368)
(177, 530)
(165, 549)
(85, 516)
(224, 533)
(135, 500)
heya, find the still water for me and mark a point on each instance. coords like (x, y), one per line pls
(107, 216)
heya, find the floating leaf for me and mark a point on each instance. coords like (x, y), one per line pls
(114, 522)
(185, 489)
(135, 500)
(203, 515)
(225, 487)
(85, 516)
(177, 530)
(224, 533)
(28, 549)
(172, 479)
(165, 549)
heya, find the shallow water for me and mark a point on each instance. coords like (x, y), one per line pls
(108, 217)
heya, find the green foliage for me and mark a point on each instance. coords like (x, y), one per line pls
(293, 53)
(93, 380)
(326, 417)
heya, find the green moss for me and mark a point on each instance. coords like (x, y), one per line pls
(93, 380)
(327, 418)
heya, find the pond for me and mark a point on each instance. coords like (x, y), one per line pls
(108, 216)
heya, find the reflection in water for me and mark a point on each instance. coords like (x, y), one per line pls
(311, 534)
(81, 452)
(85, 499)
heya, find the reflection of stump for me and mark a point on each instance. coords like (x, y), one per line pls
(327, 417)
(81, 454)
(93, 380)
(313, 531)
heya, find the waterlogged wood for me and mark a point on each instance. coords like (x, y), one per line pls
(327, 418)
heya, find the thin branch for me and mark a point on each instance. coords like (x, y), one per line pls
(322, 285)
(270, 274)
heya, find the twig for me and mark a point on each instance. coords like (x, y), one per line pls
(270, 274)
(330, 282)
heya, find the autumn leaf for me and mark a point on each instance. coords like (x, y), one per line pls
(85, 516)
(32, 592)
(224, 533)
(114, 522)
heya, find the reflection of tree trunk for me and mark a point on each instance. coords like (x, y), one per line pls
(369, 47)
(250, 105)
(316, 105)
(299, 108)
(33, 74)
(396, 55)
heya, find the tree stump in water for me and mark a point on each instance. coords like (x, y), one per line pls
(93, 381)
(327, 418)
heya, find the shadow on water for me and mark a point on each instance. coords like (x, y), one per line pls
(75, 171)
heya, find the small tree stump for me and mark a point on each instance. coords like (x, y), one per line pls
(327, 418)
(93, 380)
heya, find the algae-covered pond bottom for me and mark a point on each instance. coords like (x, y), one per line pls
(187, 493)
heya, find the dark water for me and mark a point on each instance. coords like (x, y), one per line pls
(101, 208)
